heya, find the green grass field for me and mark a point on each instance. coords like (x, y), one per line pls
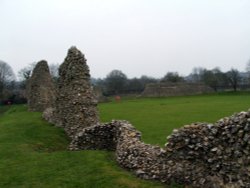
(157, 117)
(34, 153)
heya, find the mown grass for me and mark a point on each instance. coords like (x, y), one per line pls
(3, 109)
(157, 117)
(34, 153)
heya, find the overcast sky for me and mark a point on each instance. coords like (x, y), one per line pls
(139, 37)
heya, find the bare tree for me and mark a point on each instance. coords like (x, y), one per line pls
(214, 78)
(234, 78)
(147, 80)
(197, 74)
(172, 77)
(25, 73)
(135, 85)
(6, 72)
(115, 82)
(7, 77)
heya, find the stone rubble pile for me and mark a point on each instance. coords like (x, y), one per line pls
(75, 104)
(40, 88)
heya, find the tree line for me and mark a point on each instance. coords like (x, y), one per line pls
(116, 82)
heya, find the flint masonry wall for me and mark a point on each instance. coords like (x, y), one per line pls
(75, 105)
(219, 152)
(174, 89)
(40, 88)
(200, 155)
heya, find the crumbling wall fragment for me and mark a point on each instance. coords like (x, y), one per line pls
(76, 105)
(200, 154)
(40, 88)
(218, 150)
(175, 89)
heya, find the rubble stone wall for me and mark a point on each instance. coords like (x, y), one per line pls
(200, 155)
(174, 89)
(100, 136)
(75, 105)
(218, 151)
(40, 88)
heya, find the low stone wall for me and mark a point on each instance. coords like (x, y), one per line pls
(200, 155)
(174, 89)
(147, 161)
(100, 136)
(223, 148)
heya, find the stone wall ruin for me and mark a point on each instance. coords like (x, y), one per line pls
(198, 155)
(75, 105)
(40, 88)
(175, 89)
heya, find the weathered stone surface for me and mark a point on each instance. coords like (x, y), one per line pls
(99, 136)
(174, 89)
(40, 88)
(200, 154)
(49, 114)
(75, 106)
(213, 152)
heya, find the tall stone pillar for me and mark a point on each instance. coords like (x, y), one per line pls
(76, 105)
(40, 88)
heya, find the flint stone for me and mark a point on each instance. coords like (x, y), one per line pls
(40, 88)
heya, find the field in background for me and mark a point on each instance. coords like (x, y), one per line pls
(33, 153)
(157, 117)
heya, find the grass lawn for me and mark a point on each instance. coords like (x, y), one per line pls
(34, 154)
(157, 117)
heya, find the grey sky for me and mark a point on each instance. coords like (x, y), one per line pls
(139, 37)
